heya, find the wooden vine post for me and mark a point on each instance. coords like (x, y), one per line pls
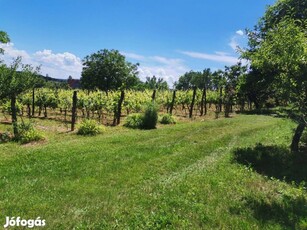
(33, 101)
(192, 103)
(119, 107)
(73, 111)
(203, 102)
(153, 97)
(221, 99)
(173, 102)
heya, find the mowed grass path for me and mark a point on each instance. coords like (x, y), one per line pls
(175, 177)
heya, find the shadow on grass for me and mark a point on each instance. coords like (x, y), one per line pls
(289, 212)
(274, 161)
(281, 113)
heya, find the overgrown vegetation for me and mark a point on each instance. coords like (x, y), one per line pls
(134, 121)
(5, 137)
(150, 117)
(90, 128)
(27, 133)
(167, 119)
(147, 120)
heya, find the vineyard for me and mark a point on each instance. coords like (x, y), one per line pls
(58, 103)
(116, 115)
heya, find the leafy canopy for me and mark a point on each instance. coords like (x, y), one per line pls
(108, 70)
(16, 78)
(4, 38)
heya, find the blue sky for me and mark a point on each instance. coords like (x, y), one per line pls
(167, 37)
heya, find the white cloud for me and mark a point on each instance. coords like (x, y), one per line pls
(166, 61)
(133, 56)
(237, 40)
(169, 69)
(218, 56)
(56, 65)
(222, 53)
(61, 65)
(10, 52)
(233, 43)
(240, 32)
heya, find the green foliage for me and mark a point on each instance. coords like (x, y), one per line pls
(14, 81)
(134, 121)
(148, 120)
(155, 83)
(4, 38)
(278, 51)
(108, 70)
(6, 107)
(6, 137)
(90, 128)
(167, 119)
(150, 116)
(195, 79)
(27, 133)
(295, 9)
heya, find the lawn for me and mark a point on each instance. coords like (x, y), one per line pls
(192, 175)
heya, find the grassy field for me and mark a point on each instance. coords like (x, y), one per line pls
(192, 175)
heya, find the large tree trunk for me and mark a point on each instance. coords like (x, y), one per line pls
(297, 136)
(14, 115)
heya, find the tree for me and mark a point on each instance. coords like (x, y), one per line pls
(284, 49)
(4, 38)
(189, 80)
(233, 75)
(295, 9)
(277, 51)
(15, 80)
(203, 82)
(218, 83)
(108, 70)
(156, 83)
(254, 86)
(197, 80)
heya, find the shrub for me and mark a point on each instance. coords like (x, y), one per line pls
(150, 117)
(134, 121)
(27, 133)
(167, 119)
(89, 128)
(5, 137)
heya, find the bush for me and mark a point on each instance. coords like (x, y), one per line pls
(134, 121)
(27, 133)
(148, 120)
(89, 128)
(150, 117)
(167, 119)
(6, 137)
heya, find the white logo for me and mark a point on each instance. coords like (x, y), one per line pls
(11, 221)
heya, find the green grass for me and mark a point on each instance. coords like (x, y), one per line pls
(174, 177)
